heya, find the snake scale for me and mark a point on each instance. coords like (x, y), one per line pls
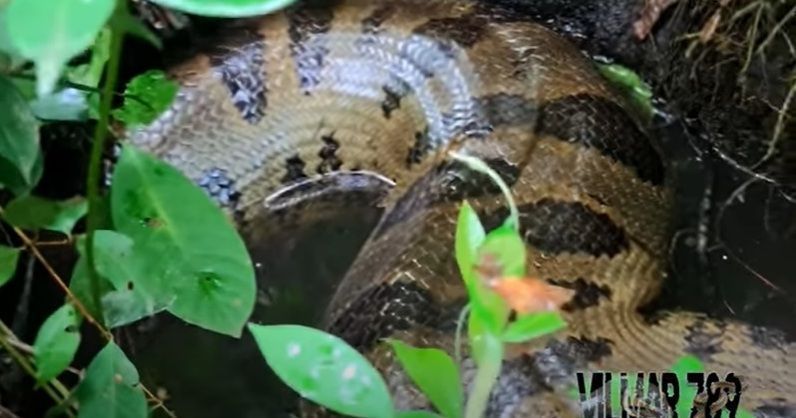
(358, 101)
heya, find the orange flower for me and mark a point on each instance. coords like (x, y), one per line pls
(530, 295)
(522, 294)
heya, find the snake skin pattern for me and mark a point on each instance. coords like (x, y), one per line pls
(358, 102)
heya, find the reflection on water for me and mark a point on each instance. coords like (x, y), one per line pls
(734, 274)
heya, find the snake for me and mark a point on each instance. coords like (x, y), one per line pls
(355, 102)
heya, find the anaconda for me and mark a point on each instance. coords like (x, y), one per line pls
(361, 100)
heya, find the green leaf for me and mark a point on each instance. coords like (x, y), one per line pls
(31, 212)
(9, 56)
(631, 84)
(485, 304)
(20, 154)
(51, 32)
(111, 388)
(416, 414)
(131, 300)
(470, 235)
(435, 373)
(8, 263)
(189, 248)
(506, 245)
(65, 104)
(91, 73)
(226, 8)
(145, 97)
(56, 343)
(528, 327)
(324, 369)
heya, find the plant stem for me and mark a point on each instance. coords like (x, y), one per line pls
(485, 377)
(479, 165)
(94, 217)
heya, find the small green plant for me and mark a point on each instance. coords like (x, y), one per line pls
(324, 369)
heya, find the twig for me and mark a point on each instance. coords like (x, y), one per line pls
(25, 364)
(74, 300)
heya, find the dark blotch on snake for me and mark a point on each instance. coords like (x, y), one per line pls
(463, 30)
(294, 169)
(372, 24)
(329, 160)
(392, 101)
(309, 55)
(241, 71)
(598, 123)
(587, 293)
(777, 408)
(557, 227)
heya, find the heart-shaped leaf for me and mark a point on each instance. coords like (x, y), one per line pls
(324, 369)
(56, 343)
(111, 388)
(186, 245)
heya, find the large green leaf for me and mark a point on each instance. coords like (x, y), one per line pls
(111, 388)
(187, 246)
(31, 212)
(530, 326)
(145, 98)
(56, 342)
(226, 8)
(50, 32)
(324, 369)
(435, 373)
(20, 154)
(8, 263)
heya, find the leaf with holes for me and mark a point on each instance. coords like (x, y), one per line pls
(111, 387)
(51, 32)
(145, 98)
(186, 245)
(31, 212)
(56, 343)
(535, 325)
(133, 299)
(226, 8)
(8, 263)
(21, 161)
(435, 373)
(324, 369)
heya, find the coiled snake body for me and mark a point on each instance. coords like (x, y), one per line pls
(361, 99)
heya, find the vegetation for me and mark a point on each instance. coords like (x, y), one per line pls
(140, 252)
